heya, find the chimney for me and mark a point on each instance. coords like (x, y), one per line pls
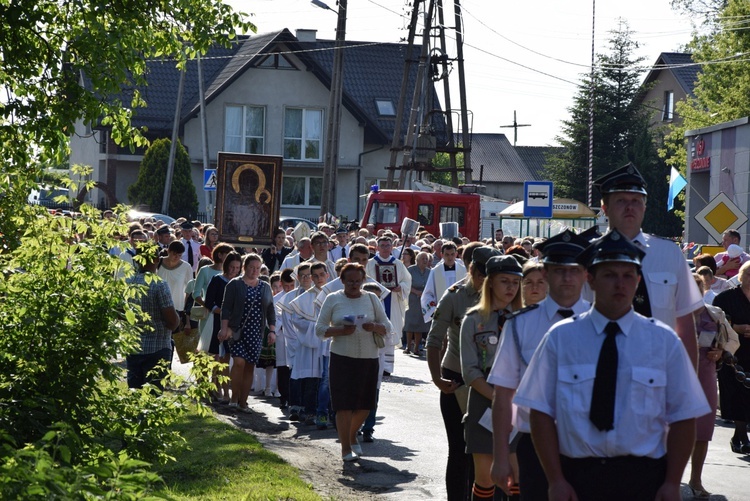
(306, 35)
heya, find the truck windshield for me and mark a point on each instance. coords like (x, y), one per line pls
(383, 213)
(452, 215)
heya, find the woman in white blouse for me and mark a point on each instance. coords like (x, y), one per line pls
(356, 322)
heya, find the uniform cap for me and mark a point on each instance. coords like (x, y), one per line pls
(613, 247)
(503, 264)
(187, 225)
(163, 230)
(625, 179)
(563, 248)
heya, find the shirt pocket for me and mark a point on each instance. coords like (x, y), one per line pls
(576, 382)
(661, 286)
(647, 396)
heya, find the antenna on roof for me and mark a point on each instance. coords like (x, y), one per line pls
(515, 126)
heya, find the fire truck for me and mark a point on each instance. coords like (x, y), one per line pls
(474, 213)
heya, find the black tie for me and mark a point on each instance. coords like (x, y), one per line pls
(641, 302)
(501, 318)
(602, 412)
(565, 313)
(190, 253)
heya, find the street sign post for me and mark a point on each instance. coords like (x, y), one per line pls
(209, 180)
(537, 199)
(719, 215)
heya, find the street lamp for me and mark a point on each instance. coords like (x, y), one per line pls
(330, 168)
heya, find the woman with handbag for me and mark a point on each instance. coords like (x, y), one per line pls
(356, 322)
(246, 311)
(480, 337)
(735, 397)
(715, 337)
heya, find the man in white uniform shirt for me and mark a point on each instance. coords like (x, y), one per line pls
(613, 394)
(446, 273)
(522, 333)
(192, 253)
(667, 291)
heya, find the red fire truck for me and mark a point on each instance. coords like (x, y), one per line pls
(474, 213)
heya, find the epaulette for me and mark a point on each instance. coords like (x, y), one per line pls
(456, 287)
(526, 309)
(651, 235)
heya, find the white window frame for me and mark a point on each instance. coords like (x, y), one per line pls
(244, 136)
(305, 136)
(667, 114)
(307, 204)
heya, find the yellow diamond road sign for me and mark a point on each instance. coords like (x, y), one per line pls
(720, 215)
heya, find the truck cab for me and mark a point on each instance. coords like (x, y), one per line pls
(387, 209)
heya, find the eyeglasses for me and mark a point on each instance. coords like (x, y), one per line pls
(304, 276)
(320, 242)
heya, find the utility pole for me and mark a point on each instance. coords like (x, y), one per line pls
(173, 149)
(515, 125)
(330, 168)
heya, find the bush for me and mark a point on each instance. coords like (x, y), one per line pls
(67, 421)
(149, 188)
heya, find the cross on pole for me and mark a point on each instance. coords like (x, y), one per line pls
(515, 127)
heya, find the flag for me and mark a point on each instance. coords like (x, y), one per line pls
(676, 184)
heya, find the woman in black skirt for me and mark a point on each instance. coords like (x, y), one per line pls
(356, 321)
(734, 396)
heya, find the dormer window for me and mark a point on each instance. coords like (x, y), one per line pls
(385, 107)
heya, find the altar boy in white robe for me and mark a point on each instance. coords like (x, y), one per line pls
(291, 337)
(445, 273)
(310, 356)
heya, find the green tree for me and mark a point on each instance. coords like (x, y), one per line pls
(617, 121)
(49, 48)
(722, 93)
(149, 188)
(442, 161)
(621, 135)
(68, 428)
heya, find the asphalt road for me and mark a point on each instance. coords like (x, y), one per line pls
(407, 459)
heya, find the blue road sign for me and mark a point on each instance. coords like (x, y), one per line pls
(537, 199)
(209, 180)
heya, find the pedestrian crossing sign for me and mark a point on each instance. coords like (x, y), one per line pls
(209, 180)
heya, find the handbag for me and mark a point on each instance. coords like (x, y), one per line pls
(198, 312)
(379, 340)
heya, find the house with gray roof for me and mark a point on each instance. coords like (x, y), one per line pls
(503, 168)
(672, 78)
(267, 94)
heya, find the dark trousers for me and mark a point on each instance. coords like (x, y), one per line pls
(532, 481)
(310, 395)
(623, 478)
(140, 365)
(459, 473)
(282, 380)
(369, 424)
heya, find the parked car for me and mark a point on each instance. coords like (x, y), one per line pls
(291, 222)
(45, 196)
(136, 215)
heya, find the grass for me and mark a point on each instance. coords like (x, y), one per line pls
(222, 462)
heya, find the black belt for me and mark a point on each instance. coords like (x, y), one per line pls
(450, 375)
(611, 461)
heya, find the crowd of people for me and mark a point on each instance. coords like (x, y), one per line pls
(551, 355)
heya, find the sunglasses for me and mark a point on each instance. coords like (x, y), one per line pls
(739, 372)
